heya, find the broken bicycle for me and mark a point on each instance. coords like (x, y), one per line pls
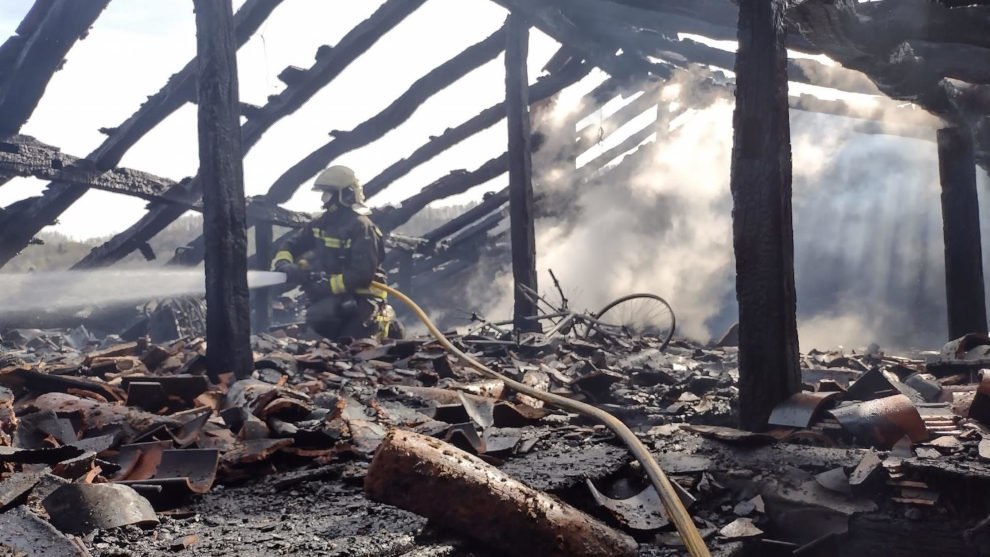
(633, 315)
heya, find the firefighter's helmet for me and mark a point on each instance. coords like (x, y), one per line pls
(340, 182)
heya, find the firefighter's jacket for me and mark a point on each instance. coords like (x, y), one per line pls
(345, 246)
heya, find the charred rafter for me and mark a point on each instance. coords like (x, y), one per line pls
(374, 128)
(330, 62)
(21, 155)
(392, 116)
(30, 58)
(544, 88)
(876, 39)
(17, 229)
(548, 17)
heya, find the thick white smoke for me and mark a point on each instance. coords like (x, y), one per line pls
(868, 244)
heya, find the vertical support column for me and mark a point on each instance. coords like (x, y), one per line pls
(228, 319)
(964, 289)
(763, 236)
(263, 239)
(522, 232)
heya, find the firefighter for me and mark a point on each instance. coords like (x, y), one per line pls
(335, 258)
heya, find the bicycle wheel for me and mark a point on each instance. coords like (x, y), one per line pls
(639, 314)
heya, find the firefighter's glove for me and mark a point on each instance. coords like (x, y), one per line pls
(293, 273)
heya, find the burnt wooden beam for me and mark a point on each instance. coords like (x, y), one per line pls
(544, 88)
(22, 155)
(548, 18)
(391, 117)
(329, 63)
(876, 38)
(458, 181)
(964, 288)
(17, 229)
(763, 235)
(490, 203)
(520, 166)
(228, 317)
(39, 55)
(609, 155)
(374, 128)
(591, 134)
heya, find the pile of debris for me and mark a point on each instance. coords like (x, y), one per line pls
(133, 448)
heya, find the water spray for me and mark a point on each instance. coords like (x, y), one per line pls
(61, 290)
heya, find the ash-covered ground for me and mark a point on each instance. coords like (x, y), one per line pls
(880, 453)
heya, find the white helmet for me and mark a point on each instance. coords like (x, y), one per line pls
(335, 180)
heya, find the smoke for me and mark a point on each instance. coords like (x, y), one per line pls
(868, 247)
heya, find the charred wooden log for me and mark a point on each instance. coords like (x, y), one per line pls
(30, 58)
(520, 166)
(464, 494)
(228, 318)
(329, 64)
(763, 235)
(964, 291)
(18, 229)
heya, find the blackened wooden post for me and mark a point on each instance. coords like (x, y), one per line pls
(964, 288)
(228, 318)
(263, 239)
(761, 217)
(523, 234)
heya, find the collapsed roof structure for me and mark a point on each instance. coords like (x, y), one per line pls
(928, 54)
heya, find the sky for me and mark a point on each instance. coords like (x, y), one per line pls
(136, 45)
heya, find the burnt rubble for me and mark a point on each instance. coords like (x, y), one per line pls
(877, 451)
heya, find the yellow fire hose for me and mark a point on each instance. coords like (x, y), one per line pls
(671, 502)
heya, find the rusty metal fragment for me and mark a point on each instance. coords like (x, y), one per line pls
(28, 534)
(82, 507)
(453, 488)
(800, 410)
(882, 421)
